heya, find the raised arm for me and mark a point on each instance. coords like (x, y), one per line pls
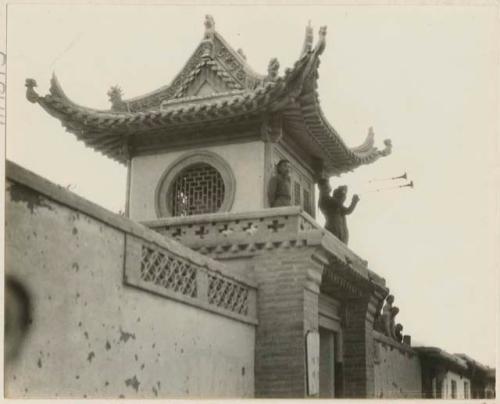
(352, 206)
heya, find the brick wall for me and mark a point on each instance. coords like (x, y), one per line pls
(358, 349)
(287, 309)
(397, 371)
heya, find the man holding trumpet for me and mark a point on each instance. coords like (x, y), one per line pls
(332, 207)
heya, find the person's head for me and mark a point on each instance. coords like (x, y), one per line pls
(324, 185)
(390, 299)
(340, 193)
(283, 167)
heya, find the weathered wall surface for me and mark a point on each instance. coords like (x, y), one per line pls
(92, 335)
(397, 372)
(249, 174)
(461, 383)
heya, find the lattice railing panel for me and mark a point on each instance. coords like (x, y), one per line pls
(169, 272)
(228, 295)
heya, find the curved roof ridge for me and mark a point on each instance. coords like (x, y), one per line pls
(293, 94)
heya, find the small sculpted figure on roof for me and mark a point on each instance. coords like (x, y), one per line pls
(386, 315)
(115, 97)
(394, 312)
(209, 26)
(387, 320)
(272, 69)
(398, 332)
(332, 207)
(279, 188)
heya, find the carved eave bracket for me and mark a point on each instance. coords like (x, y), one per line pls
(272, 128)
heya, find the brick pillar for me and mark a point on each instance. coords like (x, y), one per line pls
(358, 347)
(287, 300)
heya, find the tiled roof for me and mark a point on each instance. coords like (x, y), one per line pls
(293, 95)
(441, 355)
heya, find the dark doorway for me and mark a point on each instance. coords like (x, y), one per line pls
(326, 363)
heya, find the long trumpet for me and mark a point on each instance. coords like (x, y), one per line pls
(408, 185)
(401, 177)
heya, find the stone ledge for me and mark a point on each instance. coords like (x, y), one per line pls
(59, 194)
(243, 234)
(228, 216)
(379, 337)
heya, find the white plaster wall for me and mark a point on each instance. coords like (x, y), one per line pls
(92, 336)
(397, 374)
(460, 385)
(245, 159)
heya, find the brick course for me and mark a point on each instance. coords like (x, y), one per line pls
(287, 309)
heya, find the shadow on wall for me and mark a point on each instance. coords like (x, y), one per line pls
(18, 317)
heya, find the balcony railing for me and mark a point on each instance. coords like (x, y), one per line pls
(218, 227)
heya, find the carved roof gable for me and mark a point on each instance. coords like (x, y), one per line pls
(215, 62)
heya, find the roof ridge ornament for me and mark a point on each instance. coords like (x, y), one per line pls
(208, 38)
(241, 53)
(308, 39)
(31, 94)
(321, 44)
(209, 27)
(115, 95)
(387, 149)
(273, 69)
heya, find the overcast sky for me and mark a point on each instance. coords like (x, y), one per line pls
(425, 77)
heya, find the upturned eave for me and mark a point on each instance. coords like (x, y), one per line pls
(292, 95)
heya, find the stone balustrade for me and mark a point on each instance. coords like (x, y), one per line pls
(230, 235)
(155, 268)
(217, 228)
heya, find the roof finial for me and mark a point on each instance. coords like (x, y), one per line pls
(387, 149)
(272, 69)
(308, 39)
(115, 94)
(241, 53)
(209, 26)
(31, 94)
(320, 45)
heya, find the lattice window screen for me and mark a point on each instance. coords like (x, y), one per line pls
(197, 189)
(307, 202)
(167, 271)
(296, 193)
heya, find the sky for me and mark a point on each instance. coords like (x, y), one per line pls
(426, 77)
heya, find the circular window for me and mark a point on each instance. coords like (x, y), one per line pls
(197, 189)
(195, 184)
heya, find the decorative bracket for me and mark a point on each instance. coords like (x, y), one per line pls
(272, 128)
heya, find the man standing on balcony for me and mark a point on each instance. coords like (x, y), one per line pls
(279, 189)
(334, 210)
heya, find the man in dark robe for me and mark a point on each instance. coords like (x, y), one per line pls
(334, 210)
(279, 188)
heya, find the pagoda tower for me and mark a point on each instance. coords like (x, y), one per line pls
(200, 152)
(208, 142)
